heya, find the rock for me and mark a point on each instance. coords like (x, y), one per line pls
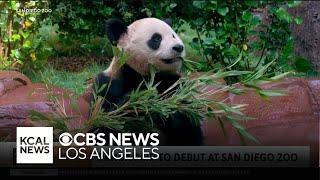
(10, 80)
(307, 35)
(290, 120)
(19, 96)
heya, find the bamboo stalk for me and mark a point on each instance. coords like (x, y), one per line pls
(9, 32)
(1, 45)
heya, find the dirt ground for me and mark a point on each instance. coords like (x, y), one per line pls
(76, 64)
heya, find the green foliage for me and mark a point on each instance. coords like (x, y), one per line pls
(76, 82)
(20, 46)
(223, 29)
(232, 30)
(81, 25)
(58, 118)
(145, 106)
(302, 65)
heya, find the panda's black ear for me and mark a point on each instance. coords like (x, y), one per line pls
(115, 28)
(168, 21)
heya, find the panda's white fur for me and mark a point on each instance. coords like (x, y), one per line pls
(134, 43)
(147, 42)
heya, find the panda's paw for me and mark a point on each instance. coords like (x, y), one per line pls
(101, 79)
(181, 131)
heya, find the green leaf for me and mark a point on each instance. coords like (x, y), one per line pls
(102, 87)
(298, 20)
(199, 4)
(38, 116)
(229, 109)
(14, 5)
(247, 16)
(15, 54)
(256, 20)
(199, 21)
(32, 19)
(232, 51)
(223, 11)
(302, 65)
(221, 74)
(251, 3)
(253, 85)
(283, 14)
(123, 58)
(271, 92)
(25, 34)
(120, 55)
(236, 91)
(172, 5)
(221, 123)
(293, 4)
(280, 76)
(259, 73)
(248, 136)
(15, 37)
(238, 59)
(212, 5)
(235, 124)
(27, 44)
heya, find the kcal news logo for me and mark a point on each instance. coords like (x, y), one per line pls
(34, 145)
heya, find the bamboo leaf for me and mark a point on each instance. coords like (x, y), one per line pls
(38, 116)
(220, 74)
(271, 92)
(248, 136)
(280, 76)
(235, 124)
(259, 73)
(221, 123)
(238, 59)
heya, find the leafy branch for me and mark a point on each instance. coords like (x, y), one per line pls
(190, 98)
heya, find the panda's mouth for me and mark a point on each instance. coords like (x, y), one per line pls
(172, 60)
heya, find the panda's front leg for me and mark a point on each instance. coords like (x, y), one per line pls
(181, 131)
(112, 91)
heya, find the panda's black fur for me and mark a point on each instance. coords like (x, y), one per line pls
(178, 129)
(129, 80)
(118, 28)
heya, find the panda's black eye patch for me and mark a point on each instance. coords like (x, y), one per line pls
(155, 41)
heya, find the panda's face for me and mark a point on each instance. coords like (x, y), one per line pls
(151, 41)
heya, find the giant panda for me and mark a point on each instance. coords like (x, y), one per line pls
(148, 42)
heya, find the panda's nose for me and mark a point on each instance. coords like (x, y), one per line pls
(178, 48)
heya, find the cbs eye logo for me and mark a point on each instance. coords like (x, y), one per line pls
(65, 139)
(82, 139)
